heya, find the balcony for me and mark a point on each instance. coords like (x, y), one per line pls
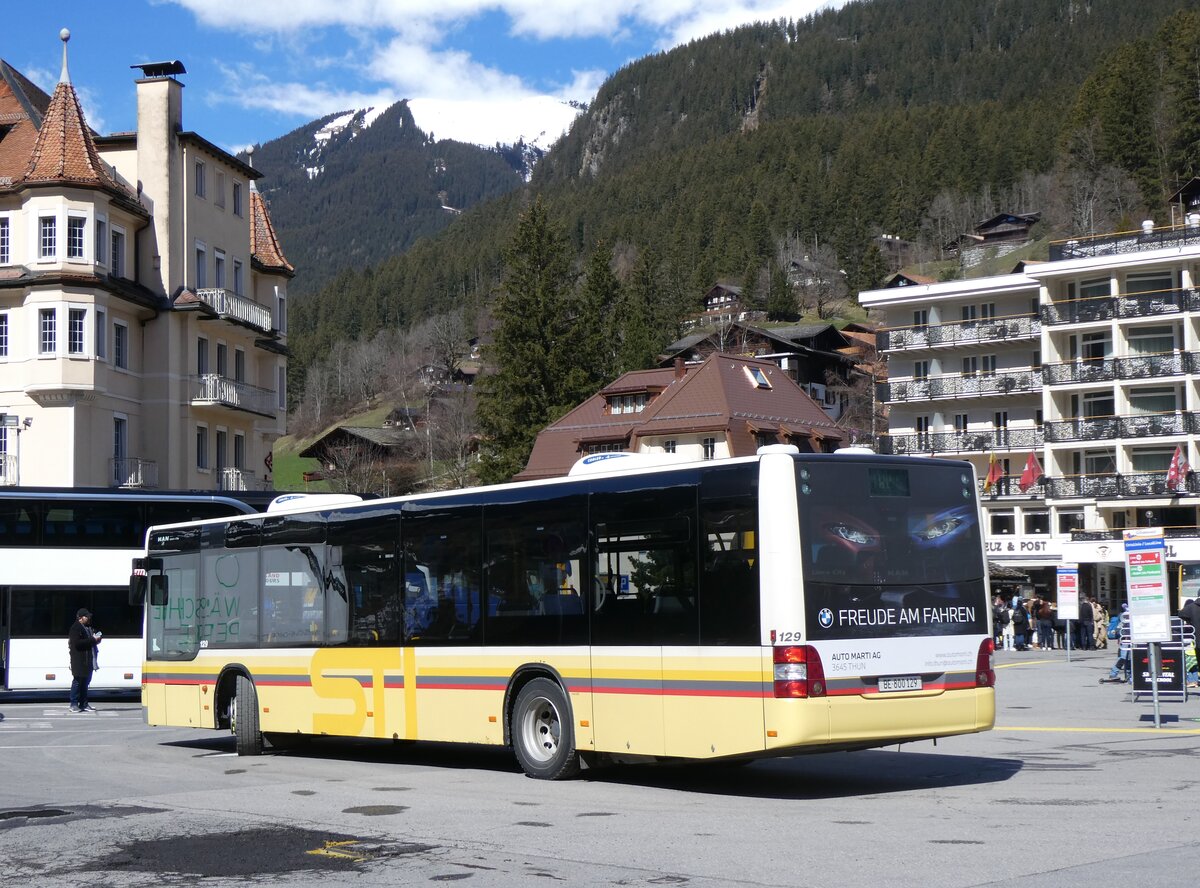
(1131, 305)
(1080, 371)
(9, 470)
(1109, 486)
(956, 385)
(961, 442)
(212, 389)
(1123, 242)
(1106, 428)
(133, 471)
(230, 478)
(1011, 328)
(231, 307)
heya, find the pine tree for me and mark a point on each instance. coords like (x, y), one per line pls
(592, 335)
(531, 351)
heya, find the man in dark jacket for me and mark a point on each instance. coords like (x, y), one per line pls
(83, 641)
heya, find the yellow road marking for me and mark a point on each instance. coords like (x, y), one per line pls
(328, 851)
(1158, 731)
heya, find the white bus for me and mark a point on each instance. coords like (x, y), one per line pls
(760, 606)
(63, 549)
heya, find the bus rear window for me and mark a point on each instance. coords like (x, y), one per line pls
(888, 482)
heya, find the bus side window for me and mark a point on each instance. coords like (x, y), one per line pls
(362, 591)
(442, 560)
(729, 596)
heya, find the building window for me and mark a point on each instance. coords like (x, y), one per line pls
(1157, 340)
(920, 320)
(1037, 523)
(1036, 361)
(237, 276)
(709, 446)
(222, 437)
(47, 237)
(962, 422)
(219, 197)
(201, 188)
(1069, 521)
(121, 346)
(222, 360)
(239, 365)
(1003, 523)
(5, 244)
(47, 331)
(627, 403)
(75, 229)
(120, 445)
(201, 266)
(758, 377)
(1152, 400)
(922, 427)
(969, 313)
(763, 439)
(280, 311)
(76, 318)
(201, 356)
(239, 451)
(219, 269)
(669, 446)
(987, 365)
(920, 370)
(3, 335)
(237, 198)
(101, 334)
(101, 241)
(117, 261)
(970, 366)
(281, 401)
(202, 448)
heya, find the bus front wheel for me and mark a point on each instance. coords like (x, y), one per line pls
(542, 735)
(245, 718)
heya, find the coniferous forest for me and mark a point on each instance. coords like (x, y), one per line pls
(719, 159)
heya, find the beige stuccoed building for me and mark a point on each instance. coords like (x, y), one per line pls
(143, 299)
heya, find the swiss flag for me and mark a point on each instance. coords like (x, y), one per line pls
(1032, 474)
(1178, 471)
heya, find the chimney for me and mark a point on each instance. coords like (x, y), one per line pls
(680, 370)
(159, 172)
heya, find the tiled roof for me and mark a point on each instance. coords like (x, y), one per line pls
(64, 151)
(264, 245)
(716, 396)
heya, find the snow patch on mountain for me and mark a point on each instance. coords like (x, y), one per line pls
(538, 121)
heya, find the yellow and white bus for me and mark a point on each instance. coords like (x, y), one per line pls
(761, 606)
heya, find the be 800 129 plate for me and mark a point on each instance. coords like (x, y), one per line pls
(900, 683)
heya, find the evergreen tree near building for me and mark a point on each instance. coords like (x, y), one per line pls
(532, 351)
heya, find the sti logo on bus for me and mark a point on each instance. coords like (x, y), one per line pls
(825, 618)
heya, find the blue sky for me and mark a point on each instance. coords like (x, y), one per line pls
(478, 70)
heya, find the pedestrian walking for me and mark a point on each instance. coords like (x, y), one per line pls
(84, 642)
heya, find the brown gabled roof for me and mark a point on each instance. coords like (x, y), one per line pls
(264, 244)
(717, 395)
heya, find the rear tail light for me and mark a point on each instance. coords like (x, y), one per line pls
(798, 672)
(985, 671)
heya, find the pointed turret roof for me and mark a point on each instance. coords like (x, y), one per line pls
(264, 244)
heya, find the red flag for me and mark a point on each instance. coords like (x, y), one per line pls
(1032, 474)
(994, 474)
(1178, 471)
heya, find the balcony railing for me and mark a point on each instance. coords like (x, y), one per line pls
(956, 385)
(1128, 367)
(8, 470)
(951, 333)
(1124, 242)
(1130, 305)
(212, 388)
(232, 307)
(1136, 484)
(1105, 428)
(133, 471)
(961, 442)
(1079, 371)
(230, 478)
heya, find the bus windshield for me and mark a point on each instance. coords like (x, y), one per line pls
(890, 549)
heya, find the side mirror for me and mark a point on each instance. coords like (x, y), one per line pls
(158, 590)
(137, 589)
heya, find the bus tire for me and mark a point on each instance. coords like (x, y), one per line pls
(542, 735)
(245, 718)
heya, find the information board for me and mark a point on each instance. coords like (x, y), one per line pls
(1068, 591)
(1147, 586)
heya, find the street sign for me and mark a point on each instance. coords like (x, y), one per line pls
(1147, 586)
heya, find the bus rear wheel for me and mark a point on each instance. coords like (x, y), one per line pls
(542, 735)
(245, 718)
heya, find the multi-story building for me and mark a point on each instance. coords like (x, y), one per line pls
(1074, 383)
(143, 298)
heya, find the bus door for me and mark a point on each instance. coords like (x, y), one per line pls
(4, 636)
(643, 597)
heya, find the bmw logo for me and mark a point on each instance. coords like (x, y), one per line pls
(825, 618)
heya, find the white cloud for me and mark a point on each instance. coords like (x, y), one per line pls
(250, 89)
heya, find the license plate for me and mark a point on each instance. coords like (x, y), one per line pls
(904, 683)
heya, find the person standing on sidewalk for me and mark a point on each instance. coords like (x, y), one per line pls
(1122, 670)
(83, 642)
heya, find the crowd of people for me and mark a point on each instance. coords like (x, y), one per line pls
(1023, 624)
